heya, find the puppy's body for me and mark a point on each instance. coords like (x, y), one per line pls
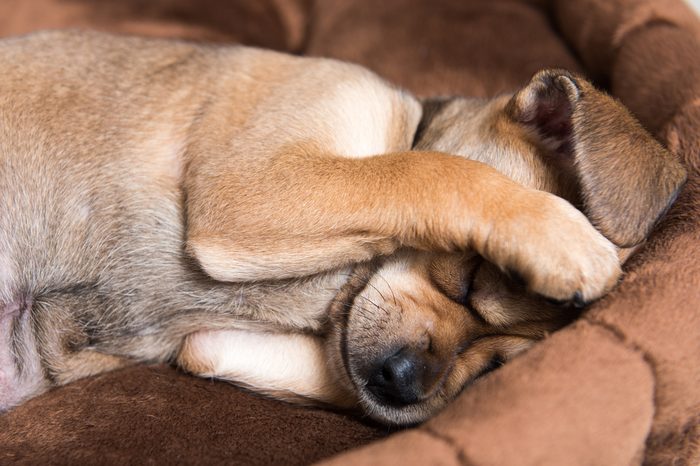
(91, 215)
(115, 153)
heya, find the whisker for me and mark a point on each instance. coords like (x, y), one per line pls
(372, 303)
(377, 290)
(393, 296)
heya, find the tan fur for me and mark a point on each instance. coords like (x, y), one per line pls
(291, 366)
(164, 201)
(358, 224)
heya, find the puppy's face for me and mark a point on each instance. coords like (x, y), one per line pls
(410, 333)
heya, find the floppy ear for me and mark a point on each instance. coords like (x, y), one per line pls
(626, 179)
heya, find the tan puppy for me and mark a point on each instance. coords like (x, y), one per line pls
(163, 201)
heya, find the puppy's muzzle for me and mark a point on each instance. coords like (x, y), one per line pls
(404, 378)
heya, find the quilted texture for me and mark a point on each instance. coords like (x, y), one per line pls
(619, 387)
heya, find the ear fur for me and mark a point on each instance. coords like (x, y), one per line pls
(626, 179)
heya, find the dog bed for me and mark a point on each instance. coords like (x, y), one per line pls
(620, 386)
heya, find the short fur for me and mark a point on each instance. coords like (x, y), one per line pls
(164, 201)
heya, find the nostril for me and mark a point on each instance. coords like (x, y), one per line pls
(387, 373)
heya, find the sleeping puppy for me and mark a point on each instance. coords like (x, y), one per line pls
(410, 331)
(262, 218)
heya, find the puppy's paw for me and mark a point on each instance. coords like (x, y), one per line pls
(557, 251)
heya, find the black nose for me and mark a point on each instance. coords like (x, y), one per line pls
(398, 380)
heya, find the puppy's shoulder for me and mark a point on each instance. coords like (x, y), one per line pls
(350, 109)
(370, 115)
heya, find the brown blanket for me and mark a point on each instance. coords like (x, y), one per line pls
(621, 386)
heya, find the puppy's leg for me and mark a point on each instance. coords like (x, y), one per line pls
(35, 350)
(58, 345)
(21, 374)
(301, 212)
(85, 363)
(287, 366)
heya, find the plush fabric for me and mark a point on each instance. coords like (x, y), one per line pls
(621, 386)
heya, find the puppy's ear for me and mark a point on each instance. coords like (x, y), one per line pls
(626, 179)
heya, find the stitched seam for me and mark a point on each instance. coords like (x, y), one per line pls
(460, 456)
(617, 41)
(619, 335)
(680, 112)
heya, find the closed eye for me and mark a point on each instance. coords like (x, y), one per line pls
(457, 285)
(464, 300)
(455, 280)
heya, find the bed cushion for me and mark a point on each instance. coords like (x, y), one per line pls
(619, 386)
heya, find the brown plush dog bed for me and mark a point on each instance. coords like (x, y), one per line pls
(620, 386)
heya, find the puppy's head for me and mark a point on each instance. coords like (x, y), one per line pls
(411, 332)
(560, 134)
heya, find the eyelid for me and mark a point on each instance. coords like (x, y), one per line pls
(464, 283)
(465, 300)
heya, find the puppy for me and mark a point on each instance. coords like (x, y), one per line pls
(262, 218)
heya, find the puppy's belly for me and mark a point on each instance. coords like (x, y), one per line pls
(290, 366)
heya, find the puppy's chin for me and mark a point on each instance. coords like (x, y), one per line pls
(401, 415)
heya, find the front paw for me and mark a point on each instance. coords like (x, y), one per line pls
(556, 250)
